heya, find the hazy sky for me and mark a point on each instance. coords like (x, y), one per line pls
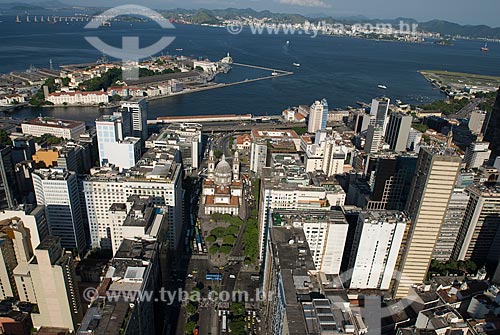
(460, 11)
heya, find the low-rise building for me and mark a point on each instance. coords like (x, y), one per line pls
(78, 98)
(59, 128)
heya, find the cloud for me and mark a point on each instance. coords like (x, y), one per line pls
(306, 3)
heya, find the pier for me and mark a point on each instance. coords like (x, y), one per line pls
(264, 68)
(278, 74)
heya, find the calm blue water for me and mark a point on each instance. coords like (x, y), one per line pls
(343, 70)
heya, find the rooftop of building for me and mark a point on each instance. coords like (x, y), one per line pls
(443, 152)
(293, 252)
(163, 77)
(141, 215)
(307, 309)
(384, 216)
(108, 118)
(291, 216)
(275, 134)
(55, 123)
(74, 93)
(286, 169)
(156, 165)
(443, 317)
(53, 173)
(322, 317)
(178, 132)
(486, 190)
(136, 249)
(105, 318)
(129, 265)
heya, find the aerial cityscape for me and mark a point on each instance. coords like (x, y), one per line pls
(308, 167)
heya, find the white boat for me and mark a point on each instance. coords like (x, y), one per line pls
(296, 64)
(275, 73)
(383, 87)
(287, 42)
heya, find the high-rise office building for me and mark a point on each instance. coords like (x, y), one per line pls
(57, 189)
(49, 281)
(33, 219)
(139, 218)
(476, 154)
(35, 269)
(492, 133)
(23, 148)
(389, 177)
(8, 186)
(135, 116)
(374, 139)
(398, 131)
(378, 114)
(455, 212)
(477, 120)
(185, 137)
(15, 249)
(414, 139)
(376, 247)
(318, 116)
(258, 155)
(327, 154)
(431, 190)
(480, 225)
(158, 175)
(325, 231)
(114, 147)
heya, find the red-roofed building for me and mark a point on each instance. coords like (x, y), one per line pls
(243, 142)
(78, 98)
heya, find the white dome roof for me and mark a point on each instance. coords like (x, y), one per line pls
(223, 167)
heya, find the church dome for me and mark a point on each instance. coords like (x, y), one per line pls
(223, 167)
(223, 173)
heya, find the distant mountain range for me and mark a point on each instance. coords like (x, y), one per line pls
(39, 5)
(212, 16)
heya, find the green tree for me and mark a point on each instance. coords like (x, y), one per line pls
(191, 309)
(211, 239)
(214, 249)
(237, 327)
(237, 309)
(225, 249)
(189, 327)
(229, 239)
(218, 232)
(116, 98)
(4, 138)
(420, 127)
(232, 230)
